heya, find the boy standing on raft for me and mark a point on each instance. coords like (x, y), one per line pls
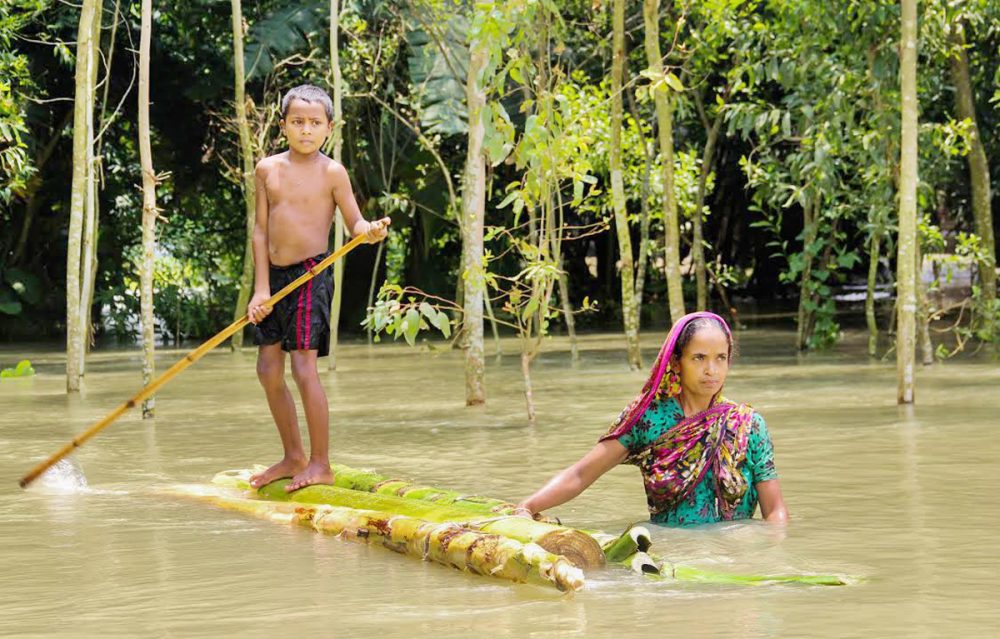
(298, 192)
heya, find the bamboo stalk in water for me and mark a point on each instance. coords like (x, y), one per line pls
(446, 543)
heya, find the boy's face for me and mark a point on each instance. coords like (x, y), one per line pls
(306, 126)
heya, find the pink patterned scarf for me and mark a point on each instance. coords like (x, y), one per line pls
(715, 438)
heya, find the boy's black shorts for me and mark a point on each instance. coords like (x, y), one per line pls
(301, 321)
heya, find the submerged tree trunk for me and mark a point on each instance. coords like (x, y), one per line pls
(664, 118)
(979, 171)
(338, 145)
(907, 243)
(147, 269)
(630, 315)
(83, 110)
(873, 257)
(247, 166)
(473, 214)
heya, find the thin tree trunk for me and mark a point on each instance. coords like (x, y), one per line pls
(493, 325)
(107, 74)
(697, 240)
(148, 209)
(567, 309)
(371, 285)
(923, 313)
(88, 250)
(873, 257)
(83, 110)
(338, 145)
(664, 118)
(247, 166)
(529, 392)
(979, 169)
(567, 306)
(640, 271)
(473, 214)
(630, 316)
(810, 226)
(734, 315)
(907, 244)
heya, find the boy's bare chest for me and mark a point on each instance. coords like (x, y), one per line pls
(299, 189)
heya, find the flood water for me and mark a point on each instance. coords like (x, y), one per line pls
(906, 500)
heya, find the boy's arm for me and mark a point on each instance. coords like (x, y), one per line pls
(261, 260)
(343, 196)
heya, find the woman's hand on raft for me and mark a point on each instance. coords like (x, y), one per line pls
(522, 511)
(574, 480)
(377, 230)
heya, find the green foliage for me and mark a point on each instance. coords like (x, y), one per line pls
(289, 31)
(404, 313)
(438, 55)
(808, 96)
(15, 86)
(17, 289)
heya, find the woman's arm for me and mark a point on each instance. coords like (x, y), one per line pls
(772, 504)
(575, 479)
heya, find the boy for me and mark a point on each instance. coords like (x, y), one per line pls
(297, 194)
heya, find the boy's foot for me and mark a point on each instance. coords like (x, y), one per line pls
(314, 473)
(285, 468)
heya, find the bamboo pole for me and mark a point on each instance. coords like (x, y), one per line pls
(182, 364)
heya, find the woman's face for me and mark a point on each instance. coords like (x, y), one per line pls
(704, 363)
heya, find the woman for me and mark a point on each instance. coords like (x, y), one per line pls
(703, 458)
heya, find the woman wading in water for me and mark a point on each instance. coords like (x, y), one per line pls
(703, 458)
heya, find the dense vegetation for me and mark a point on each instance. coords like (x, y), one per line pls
(777, 125)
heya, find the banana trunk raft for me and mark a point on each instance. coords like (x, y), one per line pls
(471, 533)
(448, 543)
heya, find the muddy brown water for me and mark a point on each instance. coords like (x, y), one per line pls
(906, 499)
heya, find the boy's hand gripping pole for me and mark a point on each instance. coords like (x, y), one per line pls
(188, 359)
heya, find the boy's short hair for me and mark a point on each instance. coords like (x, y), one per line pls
(308, 93)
